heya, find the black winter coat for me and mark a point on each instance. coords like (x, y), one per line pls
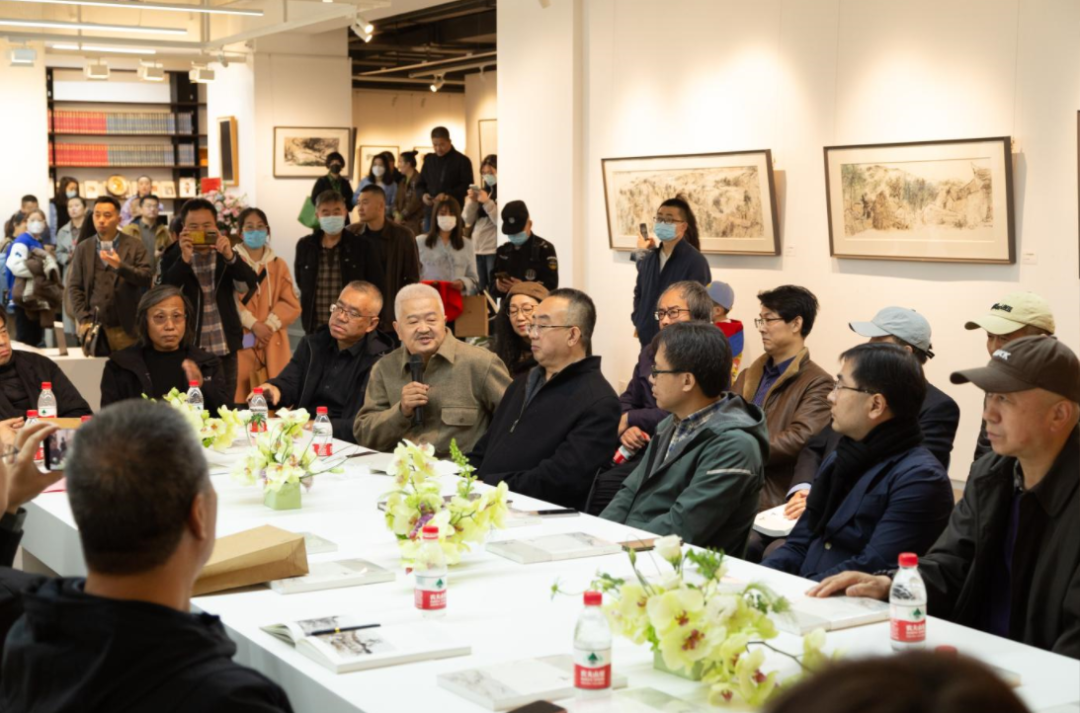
(685, 263)
(33, 369)
(451, 174)
(358, 261)
(127, 377)
(551, 447)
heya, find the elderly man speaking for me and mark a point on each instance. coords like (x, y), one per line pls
(433, 388)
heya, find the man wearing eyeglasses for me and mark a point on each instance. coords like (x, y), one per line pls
(331, 367)
(555, 427)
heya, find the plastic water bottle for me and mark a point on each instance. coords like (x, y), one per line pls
(429, 594)
(324, 433)
(259, 411)
(46, 403)
(907, 606)
(592, 649)
(31, 419)
(623, 454)
(194, 396)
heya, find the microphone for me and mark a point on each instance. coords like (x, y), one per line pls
(416, 368)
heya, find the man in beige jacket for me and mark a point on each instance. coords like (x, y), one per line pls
(460, 388)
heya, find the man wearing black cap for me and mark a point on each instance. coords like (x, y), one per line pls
(1009, 561)
(526, 258)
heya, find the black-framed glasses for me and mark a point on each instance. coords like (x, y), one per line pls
(346, 312)
(760, 322)
(672, 313)
(667, 220)
(535, 328)
(840, 387)
(654, 372)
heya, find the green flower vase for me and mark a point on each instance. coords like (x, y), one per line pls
(288, 498)
(693, 674)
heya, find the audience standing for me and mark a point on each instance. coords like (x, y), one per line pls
(153, 234)
(676, 259)
(485, 233)
(445, 254)
(27, 246)
(382, 175)
(144, 186)
(447, 172)
(21, 375)
(58, 212)
(526, 257)
(408, 201)
(554, 428)
(334, 181)
(460, 389)
(511, 340)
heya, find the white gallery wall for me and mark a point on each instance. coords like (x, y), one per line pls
(22, 124)
(481, 104)
(697, 76)
(405, 119)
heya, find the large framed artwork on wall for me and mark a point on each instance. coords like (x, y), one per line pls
(301, 152)
(939, 201)
(364, 154)
(733, 197)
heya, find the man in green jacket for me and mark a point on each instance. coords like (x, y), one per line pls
(702, 474)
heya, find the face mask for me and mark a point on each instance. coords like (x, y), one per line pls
(335, 168)
(332, 225)
(71, 194)
(36, 227)
(255, 239)
(377, 171)
(518, 238)
(664, 232)
(489, 179)
(447, 222)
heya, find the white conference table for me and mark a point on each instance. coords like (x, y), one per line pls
(503, 609)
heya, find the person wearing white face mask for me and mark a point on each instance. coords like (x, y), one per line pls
(382, 175)
(28, 329)
(330, 258)
(445, 254)
(676, 259)
(485, 235)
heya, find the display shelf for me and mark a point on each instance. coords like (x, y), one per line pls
(132, 136)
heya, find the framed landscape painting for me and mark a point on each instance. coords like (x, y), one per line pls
(301, 152)
(364, 154)
(732, 195)
(939, 201)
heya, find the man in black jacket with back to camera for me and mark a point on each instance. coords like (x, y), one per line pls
(555, 427)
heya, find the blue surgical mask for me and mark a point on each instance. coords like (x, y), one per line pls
(333, 224)
(489, 179)
(518, 238)
(71, 194)
(664, 231)
(255, 239)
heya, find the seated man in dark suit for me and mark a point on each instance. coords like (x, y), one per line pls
(881, 492)
(21, 376)
(331, 367)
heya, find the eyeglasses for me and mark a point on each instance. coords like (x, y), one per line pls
(667, 220)
(672, 313)
(535, 328)
(526, 310)
(160, 319)
(760, 322)
(840, 387)
(654, 372)
(346, 312)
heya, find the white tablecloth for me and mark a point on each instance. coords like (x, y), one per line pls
(504, 609)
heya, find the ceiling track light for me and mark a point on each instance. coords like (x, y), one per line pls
(440, 80)
(98, 70)
(57, 25)
(166, 7)
(201, 74)
(363, 29)
(151, 72)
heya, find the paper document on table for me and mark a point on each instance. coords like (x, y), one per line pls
(317, 545)
(773, 523)
(553, 548)
(651, 700)
(508, 685)
(831, 614)
(333, 575)
(345, 643)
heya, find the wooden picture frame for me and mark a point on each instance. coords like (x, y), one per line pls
(487, 134)
(732, 194)
(300, 152)
(229, 151)
(362, 160)
(925, 201)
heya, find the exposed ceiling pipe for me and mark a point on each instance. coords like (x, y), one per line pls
(474, 65)
(403, 80)
(423, 65)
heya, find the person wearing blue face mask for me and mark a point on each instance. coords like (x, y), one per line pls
(481, 211)
(330, 258)
(266, 312)
(677, 258)
(525, 258)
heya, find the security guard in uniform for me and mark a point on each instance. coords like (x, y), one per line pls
(526, 258)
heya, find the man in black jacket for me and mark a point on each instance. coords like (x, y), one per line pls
(206, 273)
(447, 172)
(554, 428)
(123, 638)
(330, 258)
(21, 375)
(1009, 561)
(331, 367)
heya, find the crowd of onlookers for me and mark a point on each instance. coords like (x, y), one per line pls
(697, 445)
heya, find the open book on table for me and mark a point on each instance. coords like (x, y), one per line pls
(831, 614)
(553, 548)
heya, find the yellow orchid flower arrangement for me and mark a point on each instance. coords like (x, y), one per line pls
(217, 433)
(276, 459)
(700, 628)
(463, 518)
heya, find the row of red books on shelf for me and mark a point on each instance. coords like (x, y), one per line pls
(105, 155)
(105, 122)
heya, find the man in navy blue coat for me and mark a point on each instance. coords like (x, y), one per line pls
(881, 492)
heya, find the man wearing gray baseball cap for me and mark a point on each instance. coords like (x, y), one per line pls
(1009, 561)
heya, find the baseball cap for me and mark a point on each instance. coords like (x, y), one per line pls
(722, 294)
(1028, 363)
(900, 322)
(1014, 311)
(514, 216)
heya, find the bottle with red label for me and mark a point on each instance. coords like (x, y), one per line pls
(259, 410)
(323, 433)
(31, 419)
(592, 649)
(429, 594)
(907, 605)
(46, 403)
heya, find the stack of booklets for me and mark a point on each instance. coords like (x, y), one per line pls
(831, 614)
(344, 643)
(332, 575)
(553, 548)
(508, 685)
